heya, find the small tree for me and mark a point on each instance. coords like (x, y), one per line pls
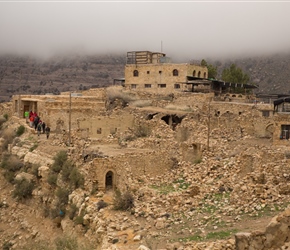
(212, 70)
(235, 75)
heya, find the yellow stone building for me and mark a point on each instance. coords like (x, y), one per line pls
(153, 71)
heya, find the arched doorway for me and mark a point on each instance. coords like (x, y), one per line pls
(109, 180)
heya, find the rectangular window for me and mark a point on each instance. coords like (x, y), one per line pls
(285, 130)
(133, 86)
(162, 85)
(113, 131)
(99, 131)
(148, 72)
(266, 113)
(160, 71)
(147, 86)
(177, 86)
(16, 106)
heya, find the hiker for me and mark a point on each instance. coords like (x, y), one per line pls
(43, 127)
(39, 127)
(26, 115)
(36, 121)
(47, 131)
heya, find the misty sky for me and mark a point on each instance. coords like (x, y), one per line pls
(187, 30)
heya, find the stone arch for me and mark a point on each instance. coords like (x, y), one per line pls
(204, 75)
(193, 73)
(109, 180)
(175, 72)
(269, 130)
(198, 74)
(135, 73)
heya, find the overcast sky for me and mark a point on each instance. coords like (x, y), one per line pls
(181, 29)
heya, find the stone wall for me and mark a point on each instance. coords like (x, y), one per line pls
(131, 166)
(275, 236)
(156, 74)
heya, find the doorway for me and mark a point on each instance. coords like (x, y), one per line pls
(109, 180)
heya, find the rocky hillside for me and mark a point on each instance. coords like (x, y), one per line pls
(237, 185)
(25, 75)
(20, 75)
(270, 73)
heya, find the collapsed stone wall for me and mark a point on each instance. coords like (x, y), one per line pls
(275, 236)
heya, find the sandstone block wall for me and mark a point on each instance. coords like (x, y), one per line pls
(131, 166)
(155, 74)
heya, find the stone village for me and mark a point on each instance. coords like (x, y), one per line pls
(184, 110)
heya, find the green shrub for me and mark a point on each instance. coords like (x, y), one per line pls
(5, 116)
(79, 220)
(123, 201)
(8, 135)
(2, 120)
(52, 179)
(37, 245)
(9, 176)
(142, 130)
(59, 160)
(66, 170)
(72, 211)
(20, 130)
(23, 189)
(11, 163)
(62, 195)
(67, 243)
(76, 179)
(7, 245)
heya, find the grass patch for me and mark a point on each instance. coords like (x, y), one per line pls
(219, 235)
(164, 188)
(35, 145)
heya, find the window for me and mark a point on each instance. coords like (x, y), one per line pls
(160, 71)
(162, 85)
(147, 86)
(133, 86)
(177, 86)
(148, 72)
(266, 113)
(135, 73)
(99, 131)
(198, 74)
(193, 73)
(285, 129)
(175, 72)
(204, 75)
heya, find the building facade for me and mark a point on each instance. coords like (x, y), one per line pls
(150, 71)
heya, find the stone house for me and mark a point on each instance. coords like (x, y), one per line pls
(281, 134)
(153, 71)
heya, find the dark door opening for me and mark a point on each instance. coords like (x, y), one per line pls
(109, 180)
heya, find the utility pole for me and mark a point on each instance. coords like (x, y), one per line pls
(208, 124)
(69, 121)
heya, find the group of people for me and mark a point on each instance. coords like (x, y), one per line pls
(39, 125)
